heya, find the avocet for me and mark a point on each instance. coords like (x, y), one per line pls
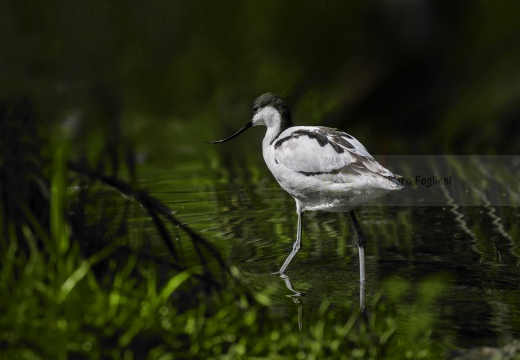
(323, 169)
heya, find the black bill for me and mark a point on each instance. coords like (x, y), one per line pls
(248, 125)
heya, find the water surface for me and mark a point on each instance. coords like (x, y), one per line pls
(473, 249)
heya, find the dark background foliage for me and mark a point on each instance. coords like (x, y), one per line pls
(403, 76)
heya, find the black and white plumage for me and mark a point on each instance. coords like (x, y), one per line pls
(321, 168)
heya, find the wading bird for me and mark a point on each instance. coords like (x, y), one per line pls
(323, 169)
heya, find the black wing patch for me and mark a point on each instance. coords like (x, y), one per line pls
(333, 138)
(333, 171)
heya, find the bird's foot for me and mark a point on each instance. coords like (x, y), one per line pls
(282, 275)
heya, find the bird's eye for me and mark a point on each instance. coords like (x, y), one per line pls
(255, 109)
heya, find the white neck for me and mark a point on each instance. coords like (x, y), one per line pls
(270, 135)
(271, 118)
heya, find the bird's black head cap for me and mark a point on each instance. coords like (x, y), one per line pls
(270, 99)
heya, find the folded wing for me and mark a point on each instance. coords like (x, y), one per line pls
(325, 152)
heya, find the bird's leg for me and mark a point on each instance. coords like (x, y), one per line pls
(362, 298)
(361, 247)
(297, 243)
(361, 250)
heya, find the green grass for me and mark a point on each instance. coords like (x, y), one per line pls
(56, 308)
